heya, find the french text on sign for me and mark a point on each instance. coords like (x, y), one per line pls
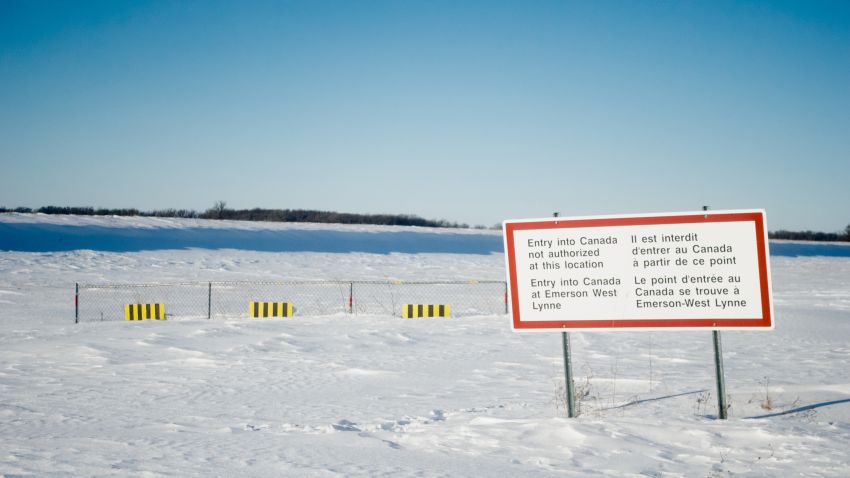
(691, 270)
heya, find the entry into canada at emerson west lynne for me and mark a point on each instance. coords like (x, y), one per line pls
(706, 269)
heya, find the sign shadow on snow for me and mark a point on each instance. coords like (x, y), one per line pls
(632, 403)
(801, 409)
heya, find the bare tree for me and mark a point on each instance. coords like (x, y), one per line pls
(218, 209)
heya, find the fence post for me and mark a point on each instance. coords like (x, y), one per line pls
(506, 297)
(77, 303)
(209, 302)
(351, 297)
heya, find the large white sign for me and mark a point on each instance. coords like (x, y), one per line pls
(704, 269)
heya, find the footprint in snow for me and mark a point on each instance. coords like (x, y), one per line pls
(438, 415)
(345, 426)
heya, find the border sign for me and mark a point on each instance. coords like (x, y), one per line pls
(684, 271)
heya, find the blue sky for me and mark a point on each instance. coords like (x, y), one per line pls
(468, 111)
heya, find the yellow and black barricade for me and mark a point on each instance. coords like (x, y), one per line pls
(413, 311)
(144, 311)
(270, 309)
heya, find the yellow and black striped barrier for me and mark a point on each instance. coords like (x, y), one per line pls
(413, 311)
(270, 309)
(144, 311)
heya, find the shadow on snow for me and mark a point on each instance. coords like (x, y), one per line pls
(801, 409)
(632, 403)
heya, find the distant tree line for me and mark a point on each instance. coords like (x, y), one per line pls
(221, 211)
(812, 235)
(90, 211)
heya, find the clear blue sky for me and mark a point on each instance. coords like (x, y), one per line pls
(469, 111)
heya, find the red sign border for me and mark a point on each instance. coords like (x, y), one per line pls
(757, 217)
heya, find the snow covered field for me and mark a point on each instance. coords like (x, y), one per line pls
(376, 395)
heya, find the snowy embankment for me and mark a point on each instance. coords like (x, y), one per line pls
(378, 395)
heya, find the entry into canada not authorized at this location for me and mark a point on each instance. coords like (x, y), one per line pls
(704, 269)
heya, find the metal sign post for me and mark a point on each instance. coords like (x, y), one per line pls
(568, 375)
(718, 370)
(721, 383)
(568, 370)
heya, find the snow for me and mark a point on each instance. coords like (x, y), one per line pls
(372, 395)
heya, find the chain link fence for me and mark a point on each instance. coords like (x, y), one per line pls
(209, 300)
